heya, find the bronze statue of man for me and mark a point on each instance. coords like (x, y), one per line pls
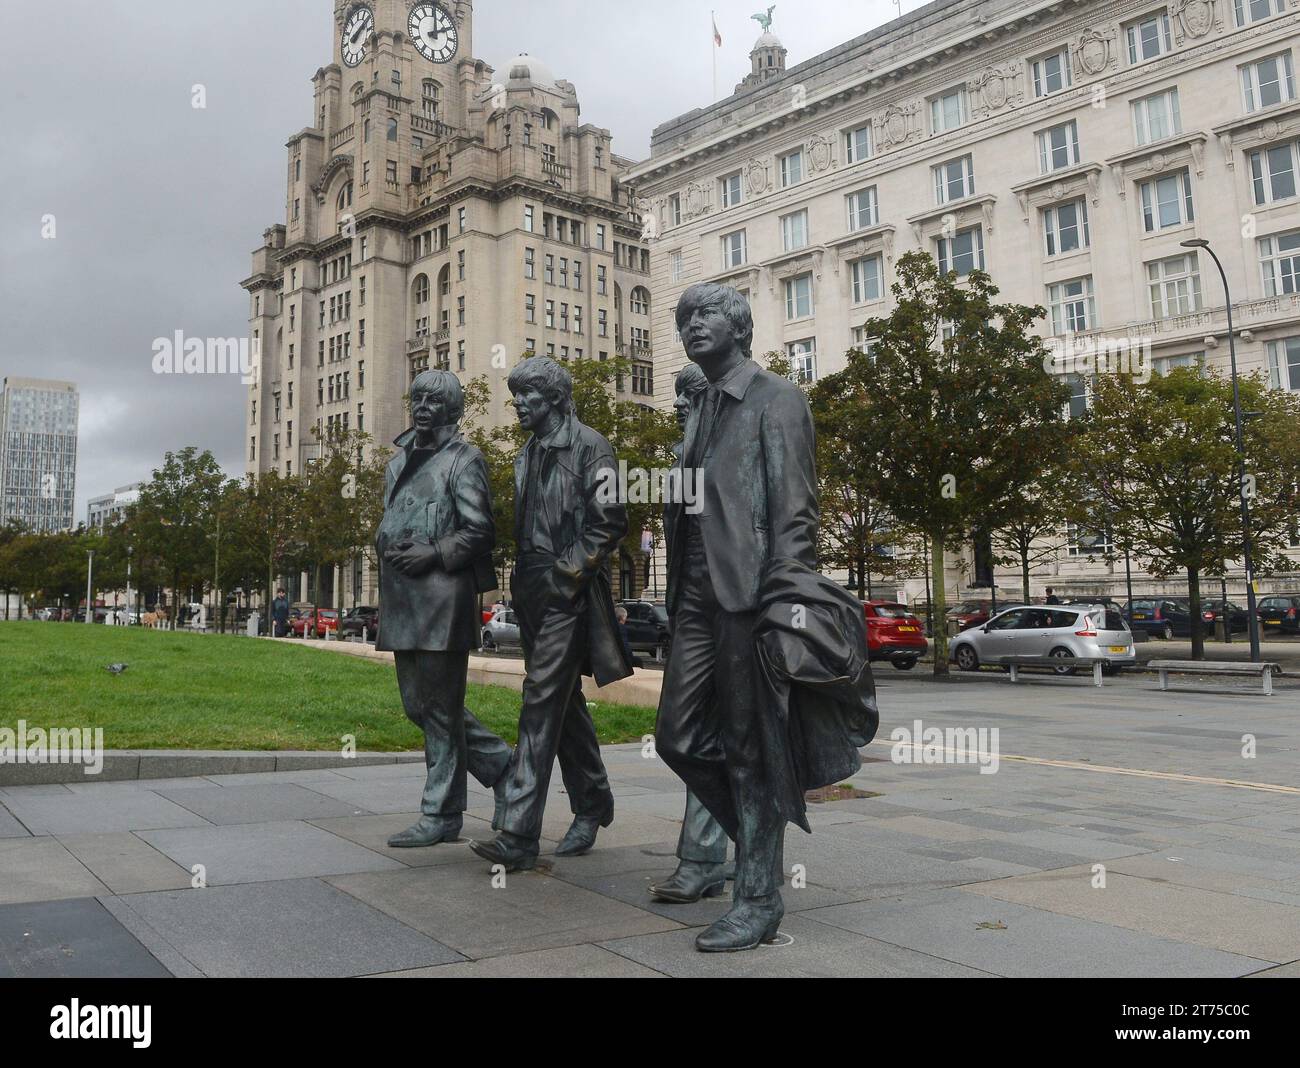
(435, 543)
(753, 619)
(566, 527)
(702, 844)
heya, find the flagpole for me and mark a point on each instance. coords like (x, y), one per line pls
(713, 48)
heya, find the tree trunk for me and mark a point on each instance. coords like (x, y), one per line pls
(938, 607)
(1024, 573)
(1196, 624)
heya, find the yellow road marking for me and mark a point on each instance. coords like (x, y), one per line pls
(1168, 776)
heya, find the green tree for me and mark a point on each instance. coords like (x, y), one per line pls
(1160, 460)
(956, 386)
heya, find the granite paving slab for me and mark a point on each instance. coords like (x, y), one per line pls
(10, 827)
(257, 852)
(124, 863)
(260, 803)
(72, 939)
(568, 962)
(41, 869)
(100, 813)
(292, 928)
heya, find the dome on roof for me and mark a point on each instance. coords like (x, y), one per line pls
(768, 40)
(528, 69)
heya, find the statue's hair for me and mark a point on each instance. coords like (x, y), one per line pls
(546, 376)
(442, 384)
(690, 381)
(710, 295)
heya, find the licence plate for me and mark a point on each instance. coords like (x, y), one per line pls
(1119, 648)
(1139, 615)
(908, 630)
(1274, 622)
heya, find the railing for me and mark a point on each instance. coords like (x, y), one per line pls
(342, 137)
(434, 126)
(1244, 314)
(556, 170)
(441, 337)
(639, 352)
(417, 344)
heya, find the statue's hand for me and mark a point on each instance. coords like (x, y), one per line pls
(412, 558)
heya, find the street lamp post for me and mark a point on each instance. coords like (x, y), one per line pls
(90, 572)
(129, 551)
(1252, 620)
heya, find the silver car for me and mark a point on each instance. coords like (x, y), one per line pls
(501, 631)
(1048, 630)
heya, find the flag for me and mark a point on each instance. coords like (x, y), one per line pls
(717, 37)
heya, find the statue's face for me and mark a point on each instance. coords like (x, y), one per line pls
(682, 409)
(429, 410)
(532, 407)
(707, 334)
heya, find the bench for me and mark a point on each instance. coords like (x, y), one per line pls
(1264, 671)
(1017, 662)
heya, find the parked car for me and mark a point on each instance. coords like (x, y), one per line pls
(1048, 630)
(1161, 617)
(362, 619)
(299, 618)
(310, 622)
(1237, 616)
(327, 621)
(647, 627)
(894, 633)
(501, 631)
(1280, 610)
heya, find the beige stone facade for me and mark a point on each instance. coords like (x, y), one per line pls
(1066, 147)
(438, 213)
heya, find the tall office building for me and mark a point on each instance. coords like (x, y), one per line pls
(1068, 148)
(109, 509)
(437, 215)
(38, 453)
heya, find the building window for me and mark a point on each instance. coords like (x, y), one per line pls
(803, 359)
(530, 308)
(675, 267)
(1284, 363)
(1148, 37)
(429, 100)
(798, 297)
(1267, 82)
(530, 263)
(602, 283)
(1249, 11)
(391, 172)
(1162, 365)
(1175, 286)
(577, 318)
(794, 230)
(1157, 117)
(675, 210)
(948, 112)
(1072, 305)
(963, 252)
(729, 194)
(460, 311)
(864, 210)
(550, 315)
(954, 180)
(297, 209)
(857, 144)
(461, 220)
(643, 382)
(577, 275)
(600, 236)
(548, 269)
(1167, 201)
(1058, 147)
(602, 322)
(1066, 227)
(1279, 257)
(1051, 73)
(528, 218)
(733, 249)
(460, 266)
(792, 168)
(867, 279)
(640, 301)
(1080, 541)
(1273, 172)
(564, 272)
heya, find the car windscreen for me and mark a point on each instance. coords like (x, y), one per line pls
(893, 611)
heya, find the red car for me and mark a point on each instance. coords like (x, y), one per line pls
(314, 622)
(894, 633)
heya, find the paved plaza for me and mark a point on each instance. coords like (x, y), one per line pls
(946, 871)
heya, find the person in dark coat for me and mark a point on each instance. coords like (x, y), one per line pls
(702, 843)
(435, 543)
(750, 437)
(566, 526)
(280, 614)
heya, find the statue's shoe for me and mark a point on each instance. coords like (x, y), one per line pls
(581, 835)
(746, 926)
(512, 855)
(691, 881)
(426, 831)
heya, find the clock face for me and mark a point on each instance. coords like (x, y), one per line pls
(357, 28)
(432, 32)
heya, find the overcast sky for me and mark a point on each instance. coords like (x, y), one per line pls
(157, 205)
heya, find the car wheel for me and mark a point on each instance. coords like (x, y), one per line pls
(966, 657)
(1167, 632)
(1062, 651)
(661, 652)
(905, 663)
(489, 646)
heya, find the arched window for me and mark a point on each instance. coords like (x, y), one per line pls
(420, 290)
(357, 90)
(345, 197)
(392, 129)
(640, 300)
(549, 119)
(429, 99)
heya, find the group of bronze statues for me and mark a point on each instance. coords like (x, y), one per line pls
(767, 691)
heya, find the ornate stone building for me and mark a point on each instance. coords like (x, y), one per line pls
(437, 215)
(1068, 147)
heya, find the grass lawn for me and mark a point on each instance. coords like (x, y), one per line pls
(204, 691)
